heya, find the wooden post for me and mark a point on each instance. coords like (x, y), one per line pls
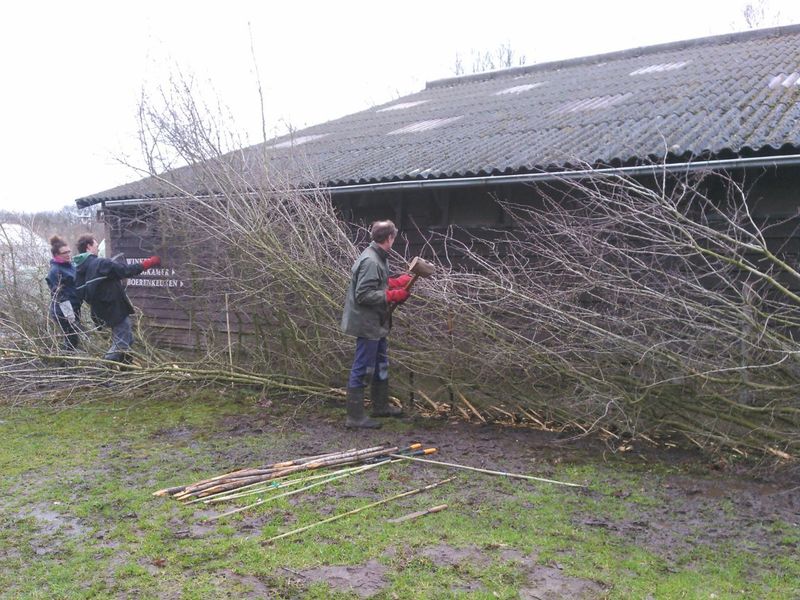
(411, 393)
(228, 330)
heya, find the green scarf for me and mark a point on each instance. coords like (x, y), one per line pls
(77, 260)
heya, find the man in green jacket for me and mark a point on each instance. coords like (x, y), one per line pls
(367, 317)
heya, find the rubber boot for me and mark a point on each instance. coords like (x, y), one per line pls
(380, 401)
(117, 357)
(355, 410)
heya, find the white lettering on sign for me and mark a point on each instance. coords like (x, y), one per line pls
(170, 283)
(159, 273)
(147, 278)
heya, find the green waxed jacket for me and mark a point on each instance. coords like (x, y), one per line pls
(365, 308)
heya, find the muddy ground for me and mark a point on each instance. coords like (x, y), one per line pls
(696, 500)
(702, 500)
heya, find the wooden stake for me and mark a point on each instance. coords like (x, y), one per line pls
(225, 485)
(533, 418)
(505, 412)
(419, 513)
(463, 398)
(357, 510)
(224, 496)
(297, 491)
(175, 491)
(169, 491)
(425, 397)
(228, 330)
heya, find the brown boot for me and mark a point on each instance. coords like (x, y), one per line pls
(380, 401)
(355, 411)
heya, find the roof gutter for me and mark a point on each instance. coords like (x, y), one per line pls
(493, 180)
(490, 180)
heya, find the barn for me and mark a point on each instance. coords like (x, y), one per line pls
(444, 156)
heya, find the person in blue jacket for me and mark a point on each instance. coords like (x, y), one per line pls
(100, 284)
(65, 304)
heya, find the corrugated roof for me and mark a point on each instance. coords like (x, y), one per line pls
(730, 95)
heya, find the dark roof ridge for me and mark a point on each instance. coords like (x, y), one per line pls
(739, 36)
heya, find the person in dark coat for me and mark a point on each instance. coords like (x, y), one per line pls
(366, 316)
(100, 282)
(65, 304)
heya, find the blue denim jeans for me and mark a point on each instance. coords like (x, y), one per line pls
(371, 363)
(121, 337)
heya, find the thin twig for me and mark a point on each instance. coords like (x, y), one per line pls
(486, 471)
(358, 510)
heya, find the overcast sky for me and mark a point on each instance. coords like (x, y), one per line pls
(73, 72)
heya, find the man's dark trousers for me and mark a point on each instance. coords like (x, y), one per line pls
(371, 363)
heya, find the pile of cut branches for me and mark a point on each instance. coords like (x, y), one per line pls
(306, 473)
(630, 308)
(625, 306)
(282, 474)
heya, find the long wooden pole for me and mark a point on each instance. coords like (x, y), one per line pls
(357, 510)
(262, 486)
(487, 471)
(297, 491)
(252, 471)
(275, 485)
(225, 485)
(172, 491)
(228, 331)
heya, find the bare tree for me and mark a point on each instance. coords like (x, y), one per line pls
(633, 307)
(760, 14)
(503, 57)
(617, 305)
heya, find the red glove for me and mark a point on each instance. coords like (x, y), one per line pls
(397, 296)
(401, 281)
(149, 263)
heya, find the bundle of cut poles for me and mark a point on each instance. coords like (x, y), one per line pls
(275, 476)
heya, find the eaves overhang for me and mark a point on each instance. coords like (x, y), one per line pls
(717, 165)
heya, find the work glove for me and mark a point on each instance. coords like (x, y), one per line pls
(397, 296)
(401, 281)
(149, 263)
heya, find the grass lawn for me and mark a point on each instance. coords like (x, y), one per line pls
(79, 519)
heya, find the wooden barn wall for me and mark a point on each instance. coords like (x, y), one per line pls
(173, 304)
(169, 297)
(775, 204)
